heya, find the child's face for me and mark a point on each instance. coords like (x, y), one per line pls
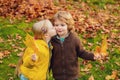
(61, 28)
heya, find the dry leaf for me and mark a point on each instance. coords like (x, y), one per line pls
(104, 47)
(6, 52)
(18, 37)
(1, 40)
(102, 50)
(11, 78)
(118, 63)
(97, 50)
(113, 76)
(20, 54)
(89, 66)
(85, 69)
(1, 62)
(12, 65)
(1, 55)
(91, 77)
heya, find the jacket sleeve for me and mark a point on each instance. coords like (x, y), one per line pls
(27, 61)
(82, 52)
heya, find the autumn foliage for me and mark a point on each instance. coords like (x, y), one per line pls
(102, 49)
(25, 8)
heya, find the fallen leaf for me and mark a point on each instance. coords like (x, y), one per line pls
(112, 76)
(85, 69)
(1, 62)
(12, 65)
(1, 40)
(118, 63)
(20, 54)
(11, 78)
(102, 50)
(104, 47)
(1, 55)
(88, 66)
(18, 37)
(91, 77)
(6, 52)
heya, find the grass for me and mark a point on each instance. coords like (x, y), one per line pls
(8, 32)
(99, 3)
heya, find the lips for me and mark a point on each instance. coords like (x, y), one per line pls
(59, 31)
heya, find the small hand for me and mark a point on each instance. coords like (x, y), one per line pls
(97, 57)
(34, 57)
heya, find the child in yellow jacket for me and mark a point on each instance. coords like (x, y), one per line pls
(35, 60)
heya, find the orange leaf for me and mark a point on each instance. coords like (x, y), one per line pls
(91, 77)
(97, 50)
(113, 76)
(12, 65)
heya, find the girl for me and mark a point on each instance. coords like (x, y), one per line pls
(67, 48)
(35, 60)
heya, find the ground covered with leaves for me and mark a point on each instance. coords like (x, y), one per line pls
(93, 20)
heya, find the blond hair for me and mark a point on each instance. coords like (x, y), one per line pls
(41, 28)
(65, 17)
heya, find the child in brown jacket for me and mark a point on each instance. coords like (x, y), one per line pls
(67, 48)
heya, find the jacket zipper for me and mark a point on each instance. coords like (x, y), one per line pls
(63, 57)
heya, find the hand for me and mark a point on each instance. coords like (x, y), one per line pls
(97, 57)
(34, 57)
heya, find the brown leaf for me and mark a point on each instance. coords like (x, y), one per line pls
(1, 40)
(6, 53)
(102, 68)
(12, 65)
(1, 55)
(91, 77)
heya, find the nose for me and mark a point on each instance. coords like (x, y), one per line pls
(59, 26)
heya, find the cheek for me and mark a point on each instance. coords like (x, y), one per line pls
(53, 32)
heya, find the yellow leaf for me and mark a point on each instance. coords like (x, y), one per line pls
(104, 46)
(89, 66)
(29, 42)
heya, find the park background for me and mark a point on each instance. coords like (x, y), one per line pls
(93, 20)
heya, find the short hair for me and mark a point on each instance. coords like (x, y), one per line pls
(65, 17)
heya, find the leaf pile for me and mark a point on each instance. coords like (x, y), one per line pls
(29, 9)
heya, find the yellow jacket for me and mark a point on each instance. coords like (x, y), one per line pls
(36, 70)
